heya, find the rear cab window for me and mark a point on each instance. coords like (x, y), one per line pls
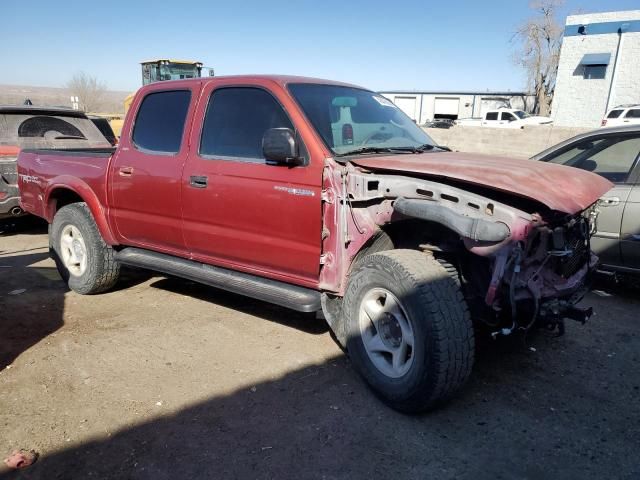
(160, 121)
(492, 116)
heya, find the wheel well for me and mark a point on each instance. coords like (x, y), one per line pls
(60, 198)
(412, 233)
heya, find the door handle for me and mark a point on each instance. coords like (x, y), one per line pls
(609, 201)
(125, 171)
(198, 181)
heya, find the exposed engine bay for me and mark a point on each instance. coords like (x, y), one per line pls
(518, 262)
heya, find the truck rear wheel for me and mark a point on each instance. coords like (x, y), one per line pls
(409, 331)
(83, 259)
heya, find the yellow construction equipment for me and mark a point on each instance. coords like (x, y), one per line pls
(159, 70)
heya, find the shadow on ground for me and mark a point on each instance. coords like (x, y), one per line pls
(31, 303)
(305, 322)
(524, 415)
(27, 225)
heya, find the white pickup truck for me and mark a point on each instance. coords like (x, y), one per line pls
(504, 118)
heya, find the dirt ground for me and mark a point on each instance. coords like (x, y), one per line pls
(166, 379)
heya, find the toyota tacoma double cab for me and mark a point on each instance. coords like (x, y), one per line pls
(325, 197)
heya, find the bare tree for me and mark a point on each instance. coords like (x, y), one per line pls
(538, 42)
(88, 89)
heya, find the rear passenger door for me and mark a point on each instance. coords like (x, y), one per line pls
(240, 211)
(490, 119)
(146, 173)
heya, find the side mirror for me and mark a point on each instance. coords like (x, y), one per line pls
(279, 146)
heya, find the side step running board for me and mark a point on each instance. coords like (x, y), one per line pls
(280, 293)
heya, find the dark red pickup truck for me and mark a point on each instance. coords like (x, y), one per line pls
(324, 197)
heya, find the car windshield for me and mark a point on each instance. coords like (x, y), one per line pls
(352, 120)
(521, 114)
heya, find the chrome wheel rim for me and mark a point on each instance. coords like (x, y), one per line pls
(73, 250)
(386, 332)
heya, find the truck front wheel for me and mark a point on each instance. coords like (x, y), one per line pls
(409, 331)
(83, 259)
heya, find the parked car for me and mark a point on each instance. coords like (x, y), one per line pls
(37, 127)
(622, 115)
(440, 123)
(324, 197)
(612, 153)
(504, 118)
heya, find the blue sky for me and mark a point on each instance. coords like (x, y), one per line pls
(402, 44)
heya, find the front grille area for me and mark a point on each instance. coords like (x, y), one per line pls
(575, 241)
(570, 264)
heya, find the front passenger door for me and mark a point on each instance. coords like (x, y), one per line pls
(240, 211)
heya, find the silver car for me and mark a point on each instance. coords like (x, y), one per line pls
(612, 153)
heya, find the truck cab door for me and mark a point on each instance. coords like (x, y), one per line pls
(145, 174)
(239, 211)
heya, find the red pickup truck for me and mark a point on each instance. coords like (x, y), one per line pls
(324, 197)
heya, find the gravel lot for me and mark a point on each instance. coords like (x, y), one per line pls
(165, 379)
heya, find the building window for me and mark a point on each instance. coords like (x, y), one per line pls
(594, 72)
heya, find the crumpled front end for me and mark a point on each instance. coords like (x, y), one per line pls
(544, 276)
(517, 260)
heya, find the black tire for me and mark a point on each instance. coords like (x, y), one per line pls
(102, 270)
(332, 305)
(443, 336)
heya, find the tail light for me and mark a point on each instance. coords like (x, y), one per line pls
(347, 134)
(9, 152)
(603, 123)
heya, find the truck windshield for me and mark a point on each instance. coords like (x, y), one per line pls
(353, 120)
(521, 114)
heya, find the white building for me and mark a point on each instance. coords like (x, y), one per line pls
(425, 106)
(599, 67)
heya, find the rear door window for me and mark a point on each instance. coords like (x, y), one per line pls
(633, 113)
(160, 121)
(492, 116)
(236, 120)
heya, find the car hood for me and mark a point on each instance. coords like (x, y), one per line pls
(565, 189)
